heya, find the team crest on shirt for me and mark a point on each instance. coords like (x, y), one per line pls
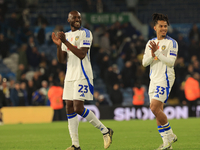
(163, 47)
(76, 38)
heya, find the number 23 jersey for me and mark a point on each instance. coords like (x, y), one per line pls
(76, 68)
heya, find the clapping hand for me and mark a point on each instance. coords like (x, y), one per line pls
(55, 39)
(61, 36)
(154, 47)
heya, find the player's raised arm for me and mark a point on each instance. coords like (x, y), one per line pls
(61, 55)
(170, 59)
(147, 57)
(80, 53)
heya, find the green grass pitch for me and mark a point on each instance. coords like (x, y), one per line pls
(128, 135)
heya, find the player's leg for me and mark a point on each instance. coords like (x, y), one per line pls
(71, 115)
(156, 107)
(73, 123)
(90, 117)
(159, 95)
(84, 92)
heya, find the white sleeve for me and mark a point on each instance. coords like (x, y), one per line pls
(147, 57)
(63, 46)
(170, 59)
(86, 39)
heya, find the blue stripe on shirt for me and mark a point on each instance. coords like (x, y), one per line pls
(173, 41)
(91, 87)
(168, 86)
(172, 54)
(87, 32)
(86, 43)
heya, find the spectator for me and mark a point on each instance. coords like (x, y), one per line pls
(138, 94)
(22, 56)
(41, 20)
(101, 101)
(105, 42)
(120, 62)
(193, 48)
(196, 66)
(190, 70)
(131, 5)
(180, 69)
(55, 97)
(34, 58)
(23, 78)
(61, 77)
(16, 96)
(6, 90)
(128, 75)
(41, 34)
(184, 48)
(116, 95)
(24, 92)
(21, 69)
(111, 78)
(113, 53)
(37, 80)
(30, 90)
(100, 7)
(53, 69)
(45, 89)
(88, 6)
(194, 34)
(31, 43)
(3, 9)
(181, 94)
(4, 46)
(13, 22)
(96, 95)
(192, 93)
(38, 98)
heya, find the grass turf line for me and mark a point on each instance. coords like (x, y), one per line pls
(128, 135)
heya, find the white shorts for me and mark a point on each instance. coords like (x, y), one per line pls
(160, 91)
(78, 90)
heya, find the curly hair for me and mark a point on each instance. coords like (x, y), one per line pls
(159, 16)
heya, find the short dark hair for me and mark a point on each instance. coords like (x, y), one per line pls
(159, 16)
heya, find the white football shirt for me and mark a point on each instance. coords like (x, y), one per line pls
(162, 65)
(77, 68)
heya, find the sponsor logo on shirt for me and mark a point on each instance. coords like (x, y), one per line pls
(155, 58)
(172, 52)
(86, 42)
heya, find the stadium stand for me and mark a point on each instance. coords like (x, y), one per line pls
(54, 12)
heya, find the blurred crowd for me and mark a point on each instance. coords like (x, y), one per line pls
(116, 57)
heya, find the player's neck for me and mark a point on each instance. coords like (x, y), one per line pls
(75, 29)
(159, 37)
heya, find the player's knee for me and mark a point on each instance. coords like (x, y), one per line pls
(154, 109)
(78, 110)
(69, 108)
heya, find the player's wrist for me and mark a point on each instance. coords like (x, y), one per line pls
(58, 46)
(156, 53)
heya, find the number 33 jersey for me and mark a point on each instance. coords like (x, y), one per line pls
(162, 65)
